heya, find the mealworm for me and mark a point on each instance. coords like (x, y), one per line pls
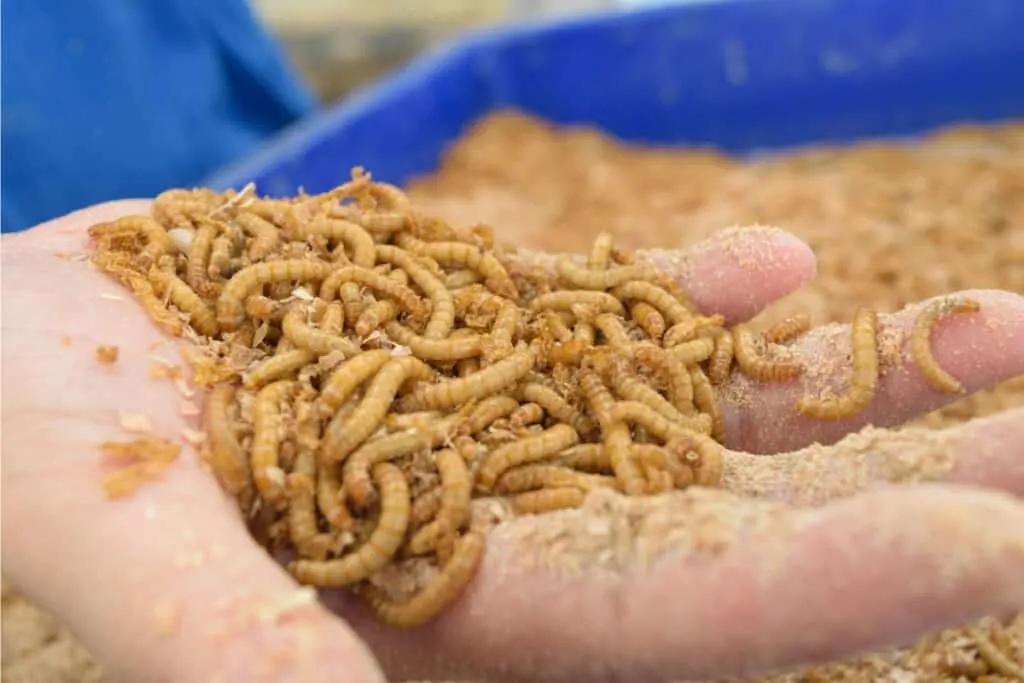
(530, 477)
(564, 300)
(788, 329)
(557, 407)
(364, 249)
(305, 336)
(402, 421)
(527, 449)
(583, 333)
(864, 381)
(720, 361)
(154, 307)
(230, 304)
(693, 352)
(200, 317)
(586, 457)
(302, 517)
(466, 367)
(657, 424)
(631, 388)
(380, 547)
(329, 498)
(648, 292)
(920, 341)
(352, 301)
(568, 353)
(457, 348)
(613, 330)
(425, 507)
(707, 402)
(264, 308)
(585, 278)
(556, 327)
(155, 236)
(375, 315)
(266, 236)
(349, 375)
(454, 510)
(343, 436)
(997, 660)
(502, 333)
(358, 485)
(680, 386)
(650, 320)
(600, 251)
(267, 423)
(689, 329)
(446, 587)
(462, 278)
(279, 366)
(442, 305)
(470, 256)
(197, 270)
(221, 254)
(548, 500)
(525, 415)
(754, 365)
(225, 455)
(454, 392)
(615, 437)
(486, 412)
(662, 459)
(702, 454)
(405, 297)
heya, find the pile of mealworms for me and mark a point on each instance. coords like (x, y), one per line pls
(372, 370)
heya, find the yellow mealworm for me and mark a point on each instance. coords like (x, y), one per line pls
(920, 341)
(707, 401)
(614, 331)
(548, 500)
(342, 436)
(453, 348)
(486, 412)
(358, 486)
(267, 423)
(470, 256)
(788, 329)
(462, 278)
(689, 329)
(648, 292)
(709, 461)
(693, 352)
(720, 361)
(279, 366)
(221, 253)
(351, 295)
(200, 316)
(587, 457)
(302, 517)
(364, 249)
(531, 477)
(266, 236)
(526, 450)
(442, 305)
(456, 574)
(657, 424)
(305, 336)
(225, 455)
(584, 278)
(564, 300)
(557, 407)
(402, 421)
(264, 308)
(333, 319)
(568, 353)
(379, 548)
(997, 660)
(660, 458)
(631, 388)
(154, 307)
(583, 332)
(600, 251)
(863, 383)
(525, 415)
(455, 392)
(230, 304)
(752, 364)
(329, 498)
(375, 315)
(650, 320)
(502, 333)
(615, 434)
(680, 386)
(425, 507)
(556, 327)
(380, 283)
(155, 235)
(349, 375)
(454, 511)
(196, 273)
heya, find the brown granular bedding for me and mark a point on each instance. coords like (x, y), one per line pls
(870, 213)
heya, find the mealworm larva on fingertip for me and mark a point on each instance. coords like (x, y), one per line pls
(267, 422)
(863, 383)
(750, 361)
(526, 450)
(548, 500)
(788, 329)
(454, 510)
(920, 341)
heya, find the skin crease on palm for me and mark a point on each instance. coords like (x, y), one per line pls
(167, 584)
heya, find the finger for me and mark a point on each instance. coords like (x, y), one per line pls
(702, 584)
(980, 349)
(168, 579)
(986, 452)
(735, 272)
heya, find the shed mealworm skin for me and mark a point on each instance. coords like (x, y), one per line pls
(864, 382)
(920, 341)
(379, 548)
(349, 375)
(600, 251)
(364, 249)
(600, 280)
(225, 455)
(486, 412)
(344, 436)
(231, 303)
(458, 348)
(531, 477)
(454, 392)
(266, 236)
(201, 318)
(648, 292)
(753, 365)
(442, 305)
(454, 511)
(615, 434)
(380, 283)
(788, 329)
(564, 300)
(305, 336)
(266, 440)
(557, 407)
(707, 402)
(548, 500)
(650, 320)
(449, 584)
(528, 449)
(280, 366)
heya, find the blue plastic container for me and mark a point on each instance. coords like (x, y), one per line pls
(742, 75)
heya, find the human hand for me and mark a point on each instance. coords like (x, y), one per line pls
(169, 580)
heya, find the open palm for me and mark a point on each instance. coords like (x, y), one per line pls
(818, 559)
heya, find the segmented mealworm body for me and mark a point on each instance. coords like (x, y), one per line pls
(462, 278)
(330, 499)
(425, 507)
(650, 320)
(502, 333)
(586, 457)
(557, 407)
(471, 256)
(364, 249)
(656, 423)
(280, 366)
(600, 251)
(379, 548)
(707, 402)
(615, 434)
(486, 412)
(720, 361)
(527, 449)
(564, 300)
(200, 317)
(454, 510)
(530, 477)
(604, 279)
(548, 500)
(196, 272)
(442, 305)
(456, 574)
(349, 375)
(753, 365)
(225, 455)
(568, 353)
(380, 283)
(613, 330)
(648, 292)
(525, 415)
(455, 392)
(155, 236)
(375, 315)
(689, 329)
(302, 520)
(693, 352)
(662, 459)
(920, 341)
(862, 387)
(264, 308)
(266, 236)
(452, 348)
(267, 423)
(219, 265)
(231, 303)
(333, 319)
(343, 436)
(305, 336)
(788, 329)
(680, 386)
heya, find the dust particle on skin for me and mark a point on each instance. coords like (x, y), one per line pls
(166, 617)
(105, 354)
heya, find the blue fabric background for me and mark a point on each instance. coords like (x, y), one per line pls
(109, 99)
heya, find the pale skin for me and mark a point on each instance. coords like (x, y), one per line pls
(167, 585)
